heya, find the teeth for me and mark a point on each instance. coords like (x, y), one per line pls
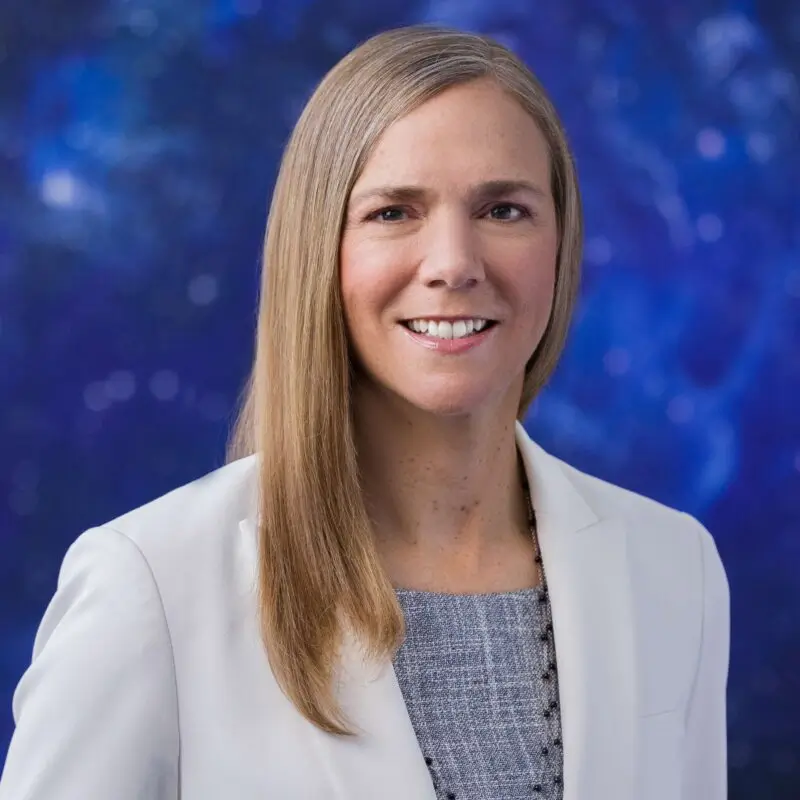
(444, 330)
(447, 330)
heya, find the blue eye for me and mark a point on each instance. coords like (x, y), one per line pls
(390, 214)
(383, 214)
(520, 210)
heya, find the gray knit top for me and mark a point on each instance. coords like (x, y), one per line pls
(478, 675)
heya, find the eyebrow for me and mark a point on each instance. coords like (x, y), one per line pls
(488, 190)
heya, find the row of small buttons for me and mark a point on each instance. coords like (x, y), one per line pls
(549, 675)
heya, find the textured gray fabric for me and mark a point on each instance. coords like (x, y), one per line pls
(471, 672)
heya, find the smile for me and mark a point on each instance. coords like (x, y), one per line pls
(449, 329)
(449, 337)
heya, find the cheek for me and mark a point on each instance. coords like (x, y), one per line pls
(356, 282)
(534, 284)
(370, 280)
(539, 292)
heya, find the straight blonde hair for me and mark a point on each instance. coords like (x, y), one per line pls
(319, 572)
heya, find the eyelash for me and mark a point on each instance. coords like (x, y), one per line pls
(375, 215)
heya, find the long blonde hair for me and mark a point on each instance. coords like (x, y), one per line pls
(319, 570)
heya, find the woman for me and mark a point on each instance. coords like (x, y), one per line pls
(391, 591)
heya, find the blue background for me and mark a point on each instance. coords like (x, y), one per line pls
(139, 141)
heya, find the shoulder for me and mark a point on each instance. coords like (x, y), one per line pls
(204, 513)
(666, 548)
(143, 603)
(660, 539)
(645, 517)
(188, 548)
(182, 558)
(611, 500)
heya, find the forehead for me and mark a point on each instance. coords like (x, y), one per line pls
(474, 131)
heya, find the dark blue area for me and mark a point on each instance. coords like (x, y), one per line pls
(138, 146)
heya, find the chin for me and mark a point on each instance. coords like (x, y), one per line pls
(446, 395)
(451, 401)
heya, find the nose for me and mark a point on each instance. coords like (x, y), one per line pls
(452, 256)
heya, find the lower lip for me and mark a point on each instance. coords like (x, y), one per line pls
(449, 346)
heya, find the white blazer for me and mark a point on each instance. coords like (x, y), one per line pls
(149, 681)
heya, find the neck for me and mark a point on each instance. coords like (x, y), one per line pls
(443, 493)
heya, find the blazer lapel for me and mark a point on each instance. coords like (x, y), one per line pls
(385, 759)
(586, 565)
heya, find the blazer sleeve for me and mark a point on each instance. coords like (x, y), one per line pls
(96, 711)
(705, 757)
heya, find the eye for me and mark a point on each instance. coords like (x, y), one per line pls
(520, 211)
(387, 214)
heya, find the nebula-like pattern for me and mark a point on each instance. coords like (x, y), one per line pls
(139, 141)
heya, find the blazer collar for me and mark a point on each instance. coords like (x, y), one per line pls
(557, 501)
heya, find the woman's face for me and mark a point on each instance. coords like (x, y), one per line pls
(448, 254)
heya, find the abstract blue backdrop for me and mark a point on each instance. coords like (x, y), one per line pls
(139, 141)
